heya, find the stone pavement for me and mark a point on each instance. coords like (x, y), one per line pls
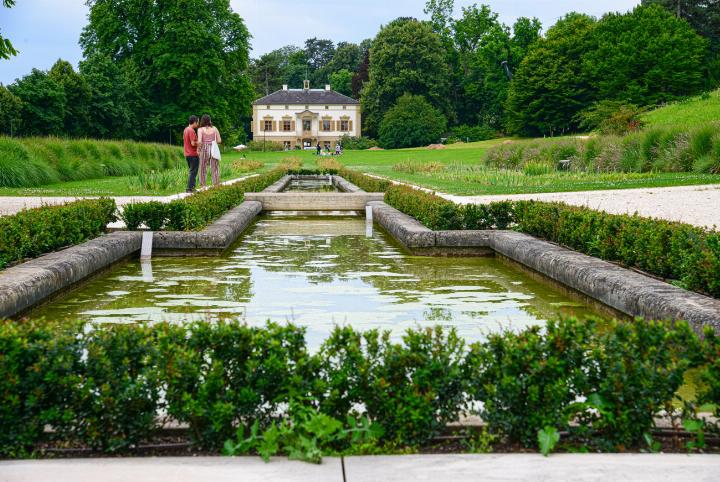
(430, 468)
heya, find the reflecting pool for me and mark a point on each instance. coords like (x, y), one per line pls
(319, 272)
(311, 185)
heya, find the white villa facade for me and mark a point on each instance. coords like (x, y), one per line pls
(305, 117)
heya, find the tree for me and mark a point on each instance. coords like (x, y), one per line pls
(361, 76)
(43, 104)
(10, 110)
(550, 86)
(192, 57)
(319, 53)
(6, 47)
(77, 95)
(115, 97)
(411, 122)
(341, 81)
(644, 57)
(406, 57)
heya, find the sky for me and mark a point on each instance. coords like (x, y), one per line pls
(45, 30)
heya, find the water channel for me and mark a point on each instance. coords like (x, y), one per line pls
(318, 272)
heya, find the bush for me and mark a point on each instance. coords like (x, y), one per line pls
(33, 232)
(411, 122)
(270, 146)
(467, 133)
(363, 181)
(610, 117)
(356, 143)
(196, 211)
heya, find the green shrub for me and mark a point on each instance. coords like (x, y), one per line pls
(411, 122)
(529, 380)
(356, 143)
(19, 168)
(33, 232)
(222, 374)
(466, 133)
(196, 211)
(412, 390)
(260, 145)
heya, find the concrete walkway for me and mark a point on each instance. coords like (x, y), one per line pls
(698, 205)
(430, 468)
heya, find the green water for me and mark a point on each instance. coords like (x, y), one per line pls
(310, 185)
(319, 272)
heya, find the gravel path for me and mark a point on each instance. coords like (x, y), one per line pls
(698, 205)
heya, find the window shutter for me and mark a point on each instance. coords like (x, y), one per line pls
(292, 126)
(349, 125)
(274, 127)
(332, 125)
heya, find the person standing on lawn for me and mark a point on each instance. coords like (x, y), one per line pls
(190, 143)
(207, 134)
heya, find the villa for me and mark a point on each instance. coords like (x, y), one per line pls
(305, 117)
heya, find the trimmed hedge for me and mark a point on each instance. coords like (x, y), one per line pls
(33, 232)
(687, 254)
(197, 211)
(601, 385)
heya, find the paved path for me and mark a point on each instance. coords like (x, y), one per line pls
(698, 205)
(401, 468)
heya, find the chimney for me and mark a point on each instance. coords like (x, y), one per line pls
(327, 86)
(284, 86)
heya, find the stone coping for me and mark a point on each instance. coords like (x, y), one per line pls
(314, 201)
(28, 284)
(627, 291)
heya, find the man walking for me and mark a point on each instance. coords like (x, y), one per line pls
(191, 154)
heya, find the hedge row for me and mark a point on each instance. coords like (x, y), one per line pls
(35, 161)
(33, 232)
(687, 254)
(197, 211)
(363, 181)
(105, 387)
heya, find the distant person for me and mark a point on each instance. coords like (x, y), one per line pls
(190, 143)
(318, 148)
(207, 134)
(337, 149)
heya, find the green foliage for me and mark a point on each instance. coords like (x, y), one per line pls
(44, 103)
(411, 122)
(406, 58)
(356, 143)
(610, 117)
(10, 110)
(183, 57)
(32, 162)
(467, 133)
(668, 249)
(258, 144)
(440, 214)
(33, 232)
(197, 211)
(341, 81)
(306, 434)
(259, 390)
(6, 47)
(528, 381)
(548, 437)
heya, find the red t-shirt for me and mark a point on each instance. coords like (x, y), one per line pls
(189, 136)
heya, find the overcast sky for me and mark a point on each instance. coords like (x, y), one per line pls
(45, 30)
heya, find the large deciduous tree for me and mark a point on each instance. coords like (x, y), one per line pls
(43, 104)
(77, 95)
(10, 109)
(6, 47)
(191, 57)
(405, 57)
(411, 122)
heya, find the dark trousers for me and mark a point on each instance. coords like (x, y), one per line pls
(193, 163)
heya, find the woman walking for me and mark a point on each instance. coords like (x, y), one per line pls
(207, 134)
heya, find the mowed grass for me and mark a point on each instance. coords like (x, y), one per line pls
(696, 111)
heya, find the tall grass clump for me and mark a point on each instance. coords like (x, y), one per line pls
(660, 149)
(36, 161)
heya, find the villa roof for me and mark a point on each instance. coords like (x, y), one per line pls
(306, 97)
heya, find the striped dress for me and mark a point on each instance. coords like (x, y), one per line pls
(204, 151)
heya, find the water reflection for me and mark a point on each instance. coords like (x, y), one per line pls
(319, 272)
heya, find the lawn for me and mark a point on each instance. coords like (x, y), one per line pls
(696, 111)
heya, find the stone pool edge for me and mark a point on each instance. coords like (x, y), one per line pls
(627, 291)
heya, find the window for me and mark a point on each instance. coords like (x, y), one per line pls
(344, 125)
(287, 126)
(344, 107)
(307, 125)
(287, 107)
(286, 145)
(268, 125)
(268, 107)
(326, 125)
(307, 107)
(327, 107)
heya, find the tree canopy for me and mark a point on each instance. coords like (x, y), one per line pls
(411, 122)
